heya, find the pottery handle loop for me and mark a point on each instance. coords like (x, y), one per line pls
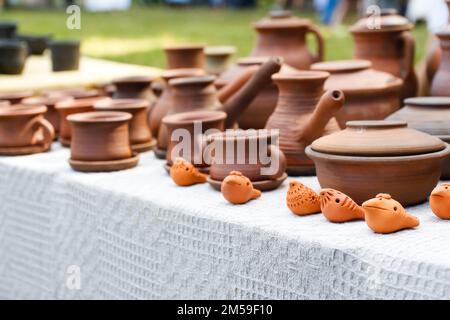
(48, 132)
(320, 43)
(408, 54)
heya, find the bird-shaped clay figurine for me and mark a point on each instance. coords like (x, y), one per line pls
(385, 215)
(184, 174)
(338, 207)
(238, 189)
(302, 200)
(440, 201)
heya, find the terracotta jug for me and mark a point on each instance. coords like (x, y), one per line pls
(185, 56)
(388, 43)
(303, 113)
(283, 35)
(440, 85)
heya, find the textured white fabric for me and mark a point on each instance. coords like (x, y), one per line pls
(135, 235)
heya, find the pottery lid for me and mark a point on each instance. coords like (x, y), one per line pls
(21, 110)
(281, 20)
(387, 21)
(239, 134)
(122, 104)
(100, 117)
(378, 138)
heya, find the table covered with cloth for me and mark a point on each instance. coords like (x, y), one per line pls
(136, 235)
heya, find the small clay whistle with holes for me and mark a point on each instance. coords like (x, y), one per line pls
(184, 174)
(238, 189)
(338, 207)
(440, 201)
(385, 215)
(302, 200)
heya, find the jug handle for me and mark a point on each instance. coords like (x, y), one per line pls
(320, 43)
(408, 54)
(48, 131)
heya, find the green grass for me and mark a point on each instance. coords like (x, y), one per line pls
(138, 35)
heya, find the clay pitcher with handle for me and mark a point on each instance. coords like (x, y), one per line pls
(303, 113)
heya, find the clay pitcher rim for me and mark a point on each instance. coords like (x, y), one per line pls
(301, 75)
(99, 117)
(122, 104)
(184, 118)
(19, 110)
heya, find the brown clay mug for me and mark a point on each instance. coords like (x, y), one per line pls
(23, 126)
(100, 136)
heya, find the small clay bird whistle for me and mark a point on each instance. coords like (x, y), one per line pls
(238, 189)
(440, 201)
(184, 174)
(302, 200)
(338, 207)
(385, 215)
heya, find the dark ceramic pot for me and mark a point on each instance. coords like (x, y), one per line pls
(65, 55)
(7, 29)
(37, 44)
(13, 55)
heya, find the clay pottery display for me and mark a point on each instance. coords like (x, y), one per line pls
(238, 189)
(372, 156)
(302, 200)
(184, 174)
(303, 113)
(218, 59)
(4, 104)
(52, 114)
(338, 207)
(440, 83)
(386, 215)
(134, 88)
(8, 29)
(369, 94)
(37, 44)
(430, 115)
(140, 137)
(23, 130)
(283, 35)
(185, 56)
(65, 55)
(67, 108)
(388, 43)
(13, 55)
(15, 97)
(76, 93)
(440, 201)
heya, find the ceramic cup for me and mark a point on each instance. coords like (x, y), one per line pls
(100, 136)
(7, 29)
(23, 126)
(13, 55)
(15, 97)
(65, 55)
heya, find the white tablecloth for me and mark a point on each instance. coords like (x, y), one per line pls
(134, 234)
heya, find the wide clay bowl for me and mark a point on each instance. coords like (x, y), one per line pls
(15, 97)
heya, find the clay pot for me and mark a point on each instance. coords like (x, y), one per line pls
(303, 113)
(7, 29)
(369, 157)
(13, 55)
(195, 125)
(65, 55)
(185, 56)
(283, 35)
(37, 44)
(134, 88)
(52, 114)
(390, 47)
(250, 152)
(139, 109)
(15, 97)
(23, 126)
(238, 189)
(76, 93)
(67, 108)
(439, 85)
(369, 94)
(100, 136)
(218, 59)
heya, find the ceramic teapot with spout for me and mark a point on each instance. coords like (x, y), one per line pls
(303, 113)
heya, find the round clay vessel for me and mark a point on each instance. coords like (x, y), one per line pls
(439, 85)
(302, 200)
(13, 55)
(218, 59)
(283, 35)
(369, 94)
(134, 88)
(67, 108)
(238, 189)
(184, 174)
(387, 42)
(440, 201)
(185, 56)
(8, 29)
(338, 207)
(100, 136)
(24, 126)
(37, 44)
(65, 55)
(76, 93)
(369, 157)
(15, 97)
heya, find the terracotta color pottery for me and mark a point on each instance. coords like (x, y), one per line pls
(185, 56)
(140, 137)
(67, 108)
(13, 55)
(439, 85)
(105, 166)
(283, 35)
(369, 94)
(302, 200)
(15, 97)
(386, 215)
(8, 29)
(37, 44)
(218, 59)
(76, 93)
(23, 130)
(440, 201)
(52, 114)
(304, 113)
(184, 174)
(238, 189)
(372, 156)
(65, 55)
(388, 43)
(4, 104)
(134, 88)
(338, 207)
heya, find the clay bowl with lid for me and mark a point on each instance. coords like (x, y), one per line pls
(15, 97)
(140, 136)
(369, 94)
(372, 157)
(67, 108)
